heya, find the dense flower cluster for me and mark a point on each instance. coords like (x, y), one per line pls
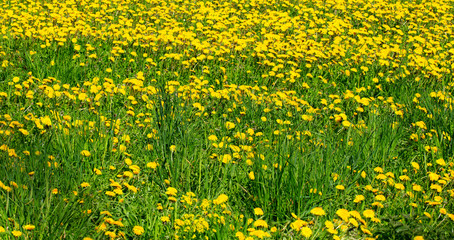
(246, 119)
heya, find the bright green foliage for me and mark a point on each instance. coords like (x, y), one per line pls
(242, 119)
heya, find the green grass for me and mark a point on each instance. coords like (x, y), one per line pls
(311, 130)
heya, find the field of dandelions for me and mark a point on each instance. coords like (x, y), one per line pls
(226, 119)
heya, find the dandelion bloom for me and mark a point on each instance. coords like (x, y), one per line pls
(378, 170)
(82, 96)
(240, 236)
(298, 224)
(110, 234)
(16, 233)
(29, 227)
(368, 213)
(251, 175)
(346, 123)
(260, 234)
(318, 211)
(138, 230)
(221, 199)
(229, 125)
(212, 138)
(353, 222)
(258, 211)
(441, 162)
(171, 191)
(173, 148)
(225, 158)
(110, 193)
(359, 198)
(433, 176)
(404, 178)
(363, 174)
(380, 198)
(165, 219)
(261, 223)
(306, 232)
(135, 169)
(152, 165)
(399, 186)
(343, 213)
(329, 224)
(85, 153)
(451, 216)
(417, 188)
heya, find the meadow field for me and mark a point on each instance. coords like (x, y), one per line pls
(226, 119)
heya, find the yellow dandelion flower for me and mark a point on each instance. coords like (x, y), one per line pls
(29, 227)
(306, 232)
(359, 198)
(110, 193)
(298, 224)
(380, 198)
(260, 234)
(451, 216)
(415, 165)
(399, 186)
(138, 230)
(368, 213)
(221, 199)
(260, 223)
(85, 153)
(173, 148)
(353, 222)
(229, 125)
(417, 188)
(258, 211)
(171, 191)
(240, 236)
(346, 123)
(378, 170)
(165, 219)
(16, 233)
(212, 138)
(110, 234)
(441, 162)
(318, 211)
(344, 214)
(152, 165)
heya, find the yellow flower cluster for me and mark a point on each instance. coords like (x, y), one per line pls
(251, 119)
